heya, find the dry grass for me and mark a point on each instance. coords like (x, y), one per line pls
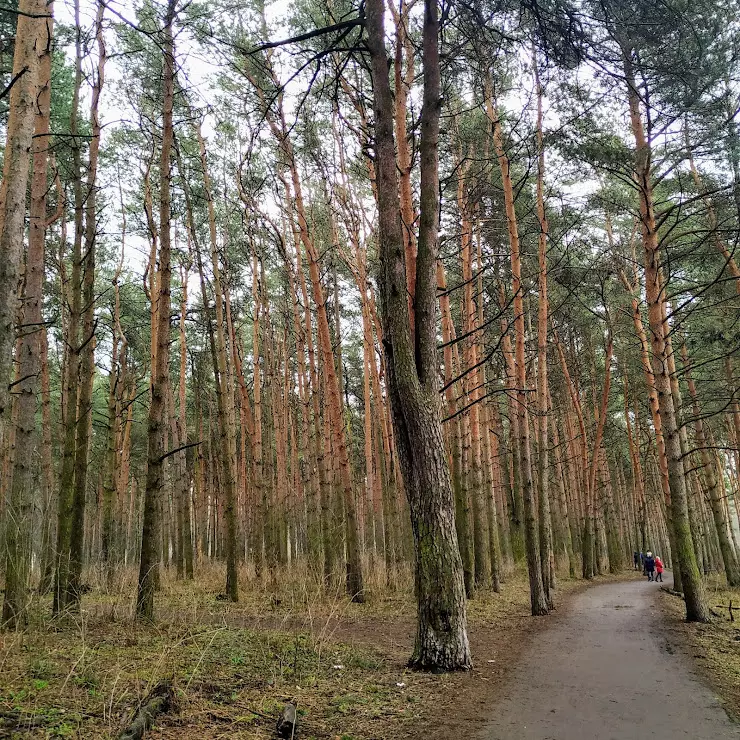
(342, 663)
(713, 648)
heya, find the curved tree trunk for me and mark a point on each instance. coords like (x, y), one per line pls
(653, 404)
(441, 638)
(696, 606)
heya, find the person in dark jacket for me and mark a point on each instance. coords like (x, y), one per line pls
(637, 560)
(649, 565)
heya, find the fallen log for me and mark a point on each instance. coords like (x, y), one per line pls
(17, 718)
(159, 701)
(288, 722)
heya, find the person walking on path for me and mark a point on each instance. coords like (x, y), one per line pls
(649, 566)
(658, 569)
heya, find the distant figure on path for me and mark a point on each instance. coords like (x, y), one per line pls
(637, 560)
(658, 569)
(649, 565)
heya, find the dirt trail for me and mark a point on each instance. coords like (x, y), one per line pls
(604, 672)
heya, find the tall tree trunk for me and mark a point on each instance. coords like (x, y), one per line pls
(582, 456)
(462, 514)
(47, 466)
(653, 404)
(260, 487)
(637, 474)
(224, 399)
(514, 466)
(112, 463)
(278, 126)
(87, 354)
(471, 417)
(72, 294)
(30, 43)
(565, 507)
(709, 474)
(441, 638)
(538, 597)
(20, 507)
(156, 426)
(185, 478)
(543, 458)
(589, 566)
(403, 81)
(354, 563)
(696, 606)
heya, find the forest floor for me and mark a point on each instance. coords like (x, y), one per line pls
(610, 670)
(712, 649)
(233, 666)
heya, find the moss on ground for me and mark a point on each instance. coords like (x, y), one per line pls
(233, 666)
(713, 648)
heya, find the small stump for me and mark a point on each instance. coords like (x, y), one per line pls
(287, 724)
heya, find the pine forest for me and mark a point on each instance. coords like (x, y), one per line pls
(330, 325)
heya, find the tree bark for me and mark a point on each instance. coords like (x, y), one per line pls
(538, 597)
(87, 354)
(708, 472)
(224, 399)
(543, 459)
(20, 506)
(29, 44)
(112, 462)
(72, 294)
(441, 638)
(156, 426)
(462, 513)
(696, 606)
(472, 383)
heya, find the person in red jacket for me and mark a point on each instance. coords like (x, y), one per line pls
(658, 569)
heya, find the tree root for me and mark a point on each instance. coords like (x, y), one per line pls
(672, 591)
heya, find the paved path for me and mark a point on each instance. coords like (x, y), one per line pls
(603, 672)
